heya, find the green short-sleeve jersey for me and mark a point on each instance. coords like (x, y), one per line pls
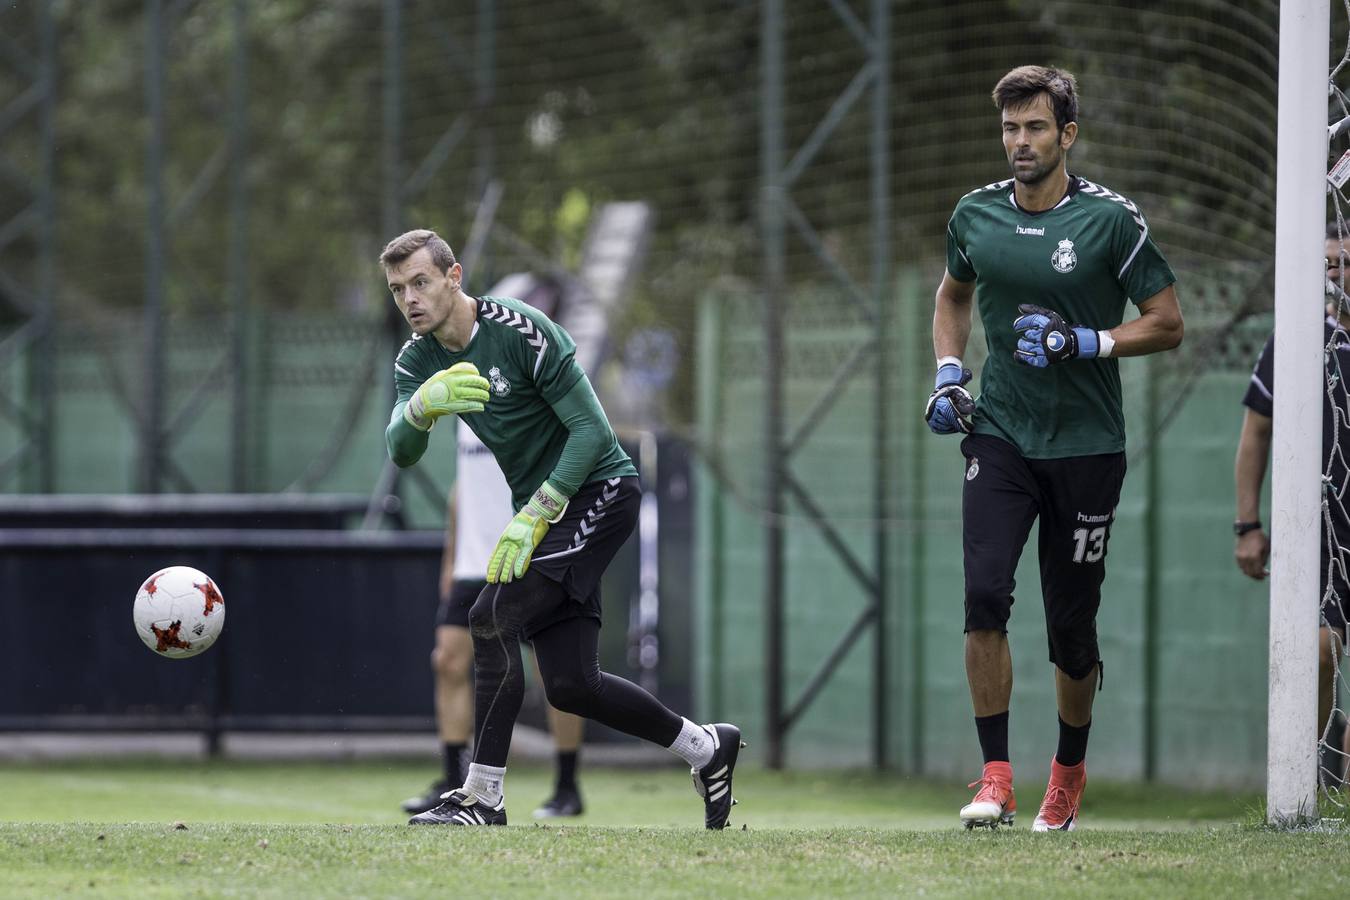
(529, 362)
(1083, 258)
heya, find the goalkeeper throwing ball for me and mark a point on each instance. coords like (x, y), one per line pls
(510, 373)
(1050, 259)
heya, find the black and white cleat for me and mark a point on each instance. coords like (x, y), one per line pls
(713, 781)
(459, 807)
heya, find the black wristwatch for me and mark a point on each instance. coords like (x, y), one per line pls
(1241, 528)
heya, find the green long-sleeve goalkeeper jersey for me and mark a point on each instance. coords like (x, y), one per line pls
(529, 363)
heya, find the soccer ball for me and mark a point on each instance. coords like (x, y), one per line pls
(179, 612)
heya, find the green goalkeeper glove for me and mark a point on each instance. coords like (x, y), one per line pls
(458, 389)
(516, 546)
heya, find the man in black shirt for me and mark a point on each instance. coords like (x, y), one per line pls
(1252, 548)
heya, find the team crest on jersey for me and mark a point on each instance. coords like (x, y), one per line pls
(973, 469)
(1064, 258)
(500, 386)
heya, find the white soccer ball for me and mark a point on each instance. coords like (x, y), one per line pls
(179, 612)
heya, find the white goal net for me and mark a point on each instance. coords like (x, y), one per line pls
(1334, 691)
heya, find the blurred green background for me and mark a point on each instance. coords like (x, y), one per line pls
(196, 193)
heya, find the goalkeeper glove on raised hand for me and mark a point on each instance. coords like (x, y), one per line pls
(515, 548)
(1044, 339)
(950, 407)
(458, 389)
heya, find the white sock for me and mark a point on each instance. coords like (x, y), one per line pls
(486, 783)
(694, 745)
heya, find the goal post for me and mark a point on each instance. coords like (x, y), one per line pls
(1300, 215)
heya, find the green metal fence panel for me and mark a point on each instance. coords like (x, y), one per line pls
(1213, 620)
(13, 391)
(96, 432)
(325, 408)
(318, 425)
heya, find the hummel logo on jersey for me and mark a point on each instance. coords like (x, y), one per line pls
(500, 386)
(1039, 232)
(1064, 258)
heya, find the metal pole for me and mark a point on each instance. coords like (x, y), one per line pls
(773, 233)
(881, 290)
(218, 706)
(709, 670)
(151, 454)
(1301, 160)
(485, 87)
(44, 386)
(237, 126)
(391, 221)
(391, 218)
(920, 370)
(1152, 573)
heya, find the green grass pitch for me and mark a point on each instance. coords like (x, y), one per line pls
(334, 830)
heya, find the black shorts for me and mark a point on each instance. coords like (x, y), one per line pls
(580, 546)
(454, 610)
(1075, 499)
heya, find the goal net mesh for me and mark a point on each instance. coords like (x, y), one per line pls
(1335, 737)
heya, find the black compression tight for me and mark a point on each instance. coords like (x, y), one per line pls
(569, 660)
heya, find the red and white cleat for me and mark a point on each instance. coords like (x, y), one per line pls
(1059, 809)
(994, 804)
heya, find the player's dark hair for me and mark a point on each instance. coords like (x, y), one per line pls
(408, 243)
(1020, 87)
(1334, 231)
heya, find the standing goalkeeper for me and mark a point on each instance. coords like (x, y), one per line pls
(1051, 260)
(577, 497)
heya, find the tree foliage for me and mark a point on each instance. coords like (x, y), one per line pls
(592, 100)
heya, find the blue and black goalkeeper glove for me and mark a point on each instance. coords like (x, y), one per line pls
(950, 407)
(1044, 339)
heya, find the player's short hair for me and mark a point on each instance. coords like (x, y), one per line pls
(1334, 231)
(408, 243)
(1022, 84)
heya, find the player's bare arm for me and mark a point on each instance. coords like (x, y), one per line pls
(1159, 327)
(1252, 548)
(951, 316)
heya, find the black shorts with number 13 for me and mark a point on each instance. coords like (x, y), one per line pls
(1075, 499)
